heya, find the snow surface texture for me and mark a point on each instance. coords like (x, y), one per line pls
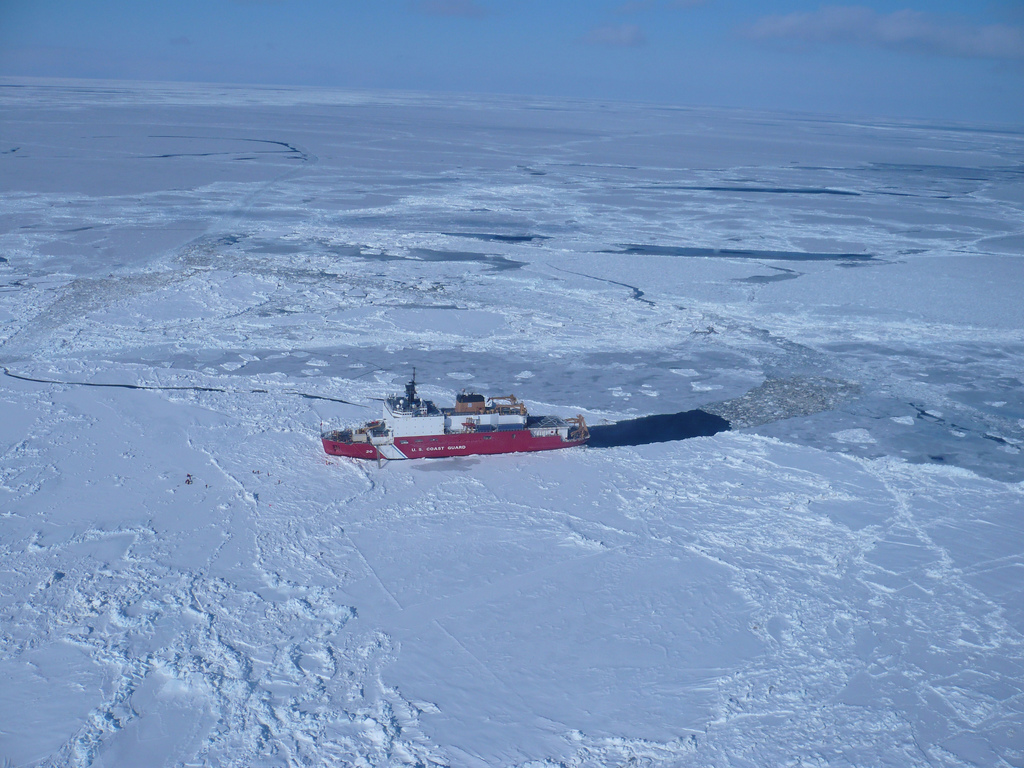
(188, 580)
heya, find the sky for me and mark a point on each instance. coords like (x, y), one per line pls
(951, 60)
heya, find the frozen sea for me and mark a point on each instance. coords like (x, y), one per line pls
(194, 278)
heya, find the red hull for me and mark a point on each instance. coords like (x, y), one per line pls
(442, 446)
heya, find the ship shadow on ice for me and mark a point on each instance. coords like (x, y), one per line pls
(660, 428)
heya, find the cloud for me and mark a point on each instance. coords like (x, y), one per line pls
(902, 30)
(469, 9)
(616, 36)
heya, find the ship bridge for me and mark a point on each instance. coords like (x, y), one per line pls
(409, 414)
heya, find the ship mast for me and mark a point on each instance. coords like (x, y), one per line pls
(410, 389)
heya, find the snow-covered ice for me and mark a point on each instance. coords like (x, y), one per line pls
(194, 278)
